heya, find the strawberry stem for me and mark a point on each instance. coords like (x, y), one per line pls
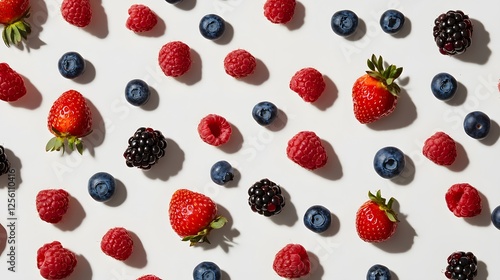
(386, 207)
(202, 235)
(386, 76)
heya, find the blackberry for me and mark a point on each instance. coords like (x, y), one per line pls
(145, 148)
(461, 265)
(265, 198)
(4, 162)
(452, 32)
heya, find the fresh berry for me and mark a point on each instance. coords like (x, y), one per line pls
(495, 217)
(145, 148)
(137, 92)
(265, 198)
(317, 218)
(214, 130)
(11, 83)
(389, 162)
(4, 162)
(264, 113)
(444, 86)
(52, 204)
(149, 277)
(292, 262)
(344, 23)
(212, 26)
(440, 148)
(375, 94)
(69, 120)
(117, 243)
(452, 32)
(174, 58)
(378, 272)
(461, 265)
(206, 271)
(375, 219)
(239, 63)
(71, 65)
(101, 186)
(306, 150)
(140, 18)
(308, 83)
(77, 12)
(477, 124)
(221, 172)
(463, 200)
(392, 21)
(54, 261)
(13, 15)
(279, 11)
(173, 1)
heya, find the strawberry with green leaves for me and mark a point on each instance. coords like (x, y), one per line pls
(13, 14)
(376, 221)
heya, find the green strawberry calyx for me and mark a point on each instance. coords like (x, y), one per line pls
(60, 140)
(386, 76)
(202, 235)
(386, 207)
(13, 33)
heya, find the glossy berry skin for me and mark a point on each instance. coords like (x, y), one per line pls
(12, 85)
(101, 186)
(265, 198)
(463, 200)
(292, 262)
(212, 26)
(305, 149)
(206, 271)
(378, 272)
(452, 32)
(145, 148)
(264, 113)
(13, 14)
(495, 217)
(477, 124)
(4, 162)
(137, 92)
(54, 261)
(444, 86)
(392, 21)
(317, 218)
(71, 65)
(375, 219)
(221, 172)
(389, 162)
(173, 1)
(344, 23)
(461, 265)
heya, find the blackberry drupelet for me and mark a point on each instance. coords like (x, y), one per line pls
(461, 265)
(265, 198)
(4, 162)
(452, 32)
(145, 148)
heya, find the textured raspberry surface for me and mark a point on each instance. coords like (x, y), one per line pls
(279, 11)
(77, 12)
(11, 84)
(141, 18)
(117, 243)
(149, 277)
(54, 261)
(52, 204)
(440, 148)
(214, 130)
(463, 200)
(175, 58)
(239, 63)
(306, 149)
(292, 262)
(308, 83)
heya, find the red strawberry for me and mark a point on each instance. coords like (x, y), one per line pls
(306, 150)
(440, 148)
(117, 243)
(308, 83)
(77, 12)
(174, 58)
(55, 261)
(214, 130)
(292, 262)
(375, 219)
(375, 94)
(141, 18)
(11, 84)
(463, 200)
(69, 119)
(193, 215)
(13, 14)
(239, 63)
(52, 204)
(279, 11)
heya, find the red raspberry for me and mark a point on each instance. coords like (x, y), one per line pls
(52, 204)
(239, 63)
(117, 243)
(292, 262)
(149, 277)
(141, 18)
(463, 200)
(76, 12)
(174, 58)
(440, 148)
(11, 84)
(306, 150)
(279, 11)
(55, 261)
(308, 83)
(214, 130)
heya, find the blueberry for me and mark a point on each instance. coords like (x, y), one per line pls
(101, 186)
(71, 65)
(495, 217)
(221, 172)
(378, 272)
(344, 22)
(264, 113)
(389, 162)
(317, 218)
(173, 1)
(444, 86)
(392, 21)
(206, 271)
(212, 26)
(477, 124)
(137, 92)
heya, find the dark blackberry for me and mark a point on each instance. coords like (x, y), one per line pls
(461, 265)
(4, 162)
(453, 32)
(265, 198)
(145, 148)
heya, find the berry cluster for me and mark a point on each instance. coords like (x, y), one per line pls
(265, 198)
(145, 148)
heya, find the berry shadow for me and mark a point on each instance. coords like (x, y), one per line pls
(98, 26)
(223, 237)
(334, 227)
(332, 170)
(408, 174)
(32, 99)
(329, 96)
(73, 217)
(462, 160)
(493, 135)
(484, 218)
(288, 216)
(298, 17)
(404, 114)
(478, 52)
(87, 76)
(169, 165)
(317, 271)
(403, 238)
(96, 137)
(279, 123)
(459, 97)
(236, 179)
(83, 270)
(38, 17)
(139, 258)
(260, 75)
(184, 5)
(15, 163)
(3, 238)
(228, 35)
(405, 31)
(194, 74)
(482, 271)
(153, 101)
(119, 196)
(359, 33)
(235, 141)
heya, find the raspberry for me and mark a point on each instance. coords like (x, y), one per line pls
(175, 58)
(149, 277)
(292, 262)
(279, 11)
(12, 85)
(55, 261)
(141, 18)
(306, 150)
(308, 83)
(117, 243)
(463, 200)
(52, 204)
(239, 63)
(214, 130)
(77, 12)
(440, 148)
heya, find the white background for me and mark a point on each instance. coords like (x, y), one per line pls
(245, 247)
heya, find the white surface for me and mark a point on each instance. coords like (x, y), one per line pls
(245, 248)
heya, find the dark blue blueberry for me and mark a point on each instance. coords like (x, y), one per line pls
(206, 271)
(389, 162)
(264, 112)
(101, 186)
(173, 1)
(477, 124)
(344, 22)
(71, 65)
(378, 272)
(444, 86)
(137, 92)
(495, 217)
(392, 21)
(212, 26)
(221, 172)
(317, 218)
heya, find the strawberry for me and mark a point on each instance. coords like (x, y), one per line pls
(193, 215)
(375, 219)
(375, 94)
(306, 150)
(13, 14)
(11, 84)
(69, 119)
(77, 12)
